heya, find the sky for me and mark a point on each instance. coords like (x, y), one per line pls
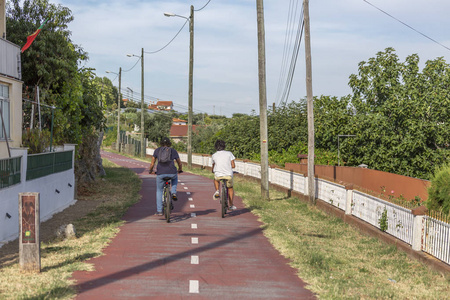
(225, 80)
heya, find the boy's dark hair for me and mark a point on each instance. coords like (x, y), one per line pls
(165, 142)
(219, 145)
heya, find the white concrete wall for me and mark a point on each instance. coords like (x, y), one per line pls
(51, 201)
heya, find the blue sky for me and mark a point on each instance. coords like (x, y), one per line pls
(343, 33)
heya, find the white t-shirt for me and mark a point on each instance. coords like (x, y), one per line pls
(222, 163)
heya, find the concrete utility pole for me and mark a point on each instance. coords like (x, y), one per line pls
(118, 109)
(3, 19)
(191, 91)
(310, 104)
(143, 148)
(262, 102)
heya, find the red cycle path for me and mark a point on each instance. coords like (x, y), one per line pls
(198, 254)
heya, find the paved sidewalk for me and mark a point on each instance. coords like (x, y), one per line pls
(198, 254)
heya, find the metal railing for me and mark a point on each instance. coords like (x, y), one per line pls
(10, 171)
(40, 165)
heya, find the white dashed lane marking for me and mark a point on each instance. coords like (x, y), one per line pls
(192, 206)
(194, 240)
(190, 199)
(195, 260)
(193, 215)
(193, 286)
(194, 226)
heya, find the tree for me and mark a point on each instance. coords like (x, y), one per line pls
(401, 115)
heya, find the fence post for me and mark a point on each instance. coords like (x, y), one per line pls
(24, 163)
(349, 199)
(305, 175)
(418, 213)
(29, 238)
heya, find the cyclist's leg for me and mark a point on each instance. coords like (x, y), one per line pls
(159, 192)
(174, 184)
(230, 184)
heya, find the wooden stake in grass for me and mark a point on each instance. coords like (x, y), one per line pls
(29, 241)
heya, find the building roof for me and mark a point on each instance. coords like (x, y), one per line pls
(164, 103)
(178, 120)
(180, 130)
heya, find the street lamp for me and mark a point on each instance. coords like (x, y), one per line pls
(118, 107)
(342, 135)
(191, 71)
(143, 148)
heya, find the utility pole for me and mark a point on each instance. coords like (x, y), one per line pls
(191, 91)
(143, 148)
(3, 19)
(310, 105)
(119, 101)
(262, 102)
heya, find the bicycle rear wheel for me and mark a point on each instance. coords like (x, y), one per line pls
(168, 204)
(223, 199)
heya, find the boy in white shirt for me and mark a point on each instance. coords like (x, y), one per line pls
(222, 167)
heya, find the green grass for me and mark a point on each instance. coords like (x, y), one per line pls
(335, 259)
(59, 259)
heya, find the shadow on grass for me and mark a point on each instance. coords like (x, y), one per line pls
(78, 258)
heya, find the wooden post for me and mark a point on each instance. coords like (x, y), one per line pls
(29, 240)
(262, 102)
(310, 110)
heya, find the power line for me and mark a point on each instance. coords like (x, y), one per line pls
(407, 25)
(153, 52)
(203, 6)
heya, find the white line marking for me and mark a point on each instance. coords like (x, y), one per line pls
(194, 226)
(194, 260)
(194, 240)
(192, 206)
(188, 193)
(182, 183)
(193, 215)
(193, 286)
(190, 199)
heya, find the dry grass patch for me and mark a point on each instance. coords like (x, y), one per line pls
(98, 216)
(336, 260)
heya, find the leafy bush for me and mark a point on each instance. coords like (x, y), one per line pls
(111, 136)
(36, 141)
(439, 191)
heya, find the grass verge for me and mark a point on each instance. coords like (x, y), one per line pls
(336, 260)
(115, 194)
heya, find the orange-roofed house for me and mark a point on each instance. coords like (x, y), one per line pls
(176, 121)
(164, 105)
(178, 133)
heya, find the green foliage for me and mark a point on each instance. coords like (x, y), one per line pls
(157, 125)
(111, 136)
(400, 115)
(439, 191)
(35, 140)
(383, 221)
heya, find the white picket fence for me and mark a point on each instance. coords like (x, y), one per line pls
(423, 233)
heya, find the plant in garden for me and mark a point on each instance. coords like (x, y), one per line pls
(383, 221)
(439, 191)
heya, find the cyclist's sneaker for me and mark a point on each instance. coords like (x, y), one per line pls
(174, 197)
(216, 195)
(232, 207)
(159, 213)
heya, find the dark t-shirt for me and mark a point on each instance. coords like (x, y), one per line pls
(166, 167)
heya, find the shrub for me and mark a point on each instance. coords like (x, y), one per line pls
(439, 191)
(35, 140)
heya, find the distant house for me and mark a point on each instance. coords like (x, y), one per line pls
(176, 121)
(10, 97)
(152, 107)
(178, 133)
(164, 105)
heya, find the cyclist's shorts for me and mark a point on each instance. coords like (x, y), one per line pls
(228, 178)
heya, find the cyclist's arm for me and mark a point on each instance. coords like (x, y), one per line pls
(152, 164)
(212, 168)
(180, 166)
(233, 164)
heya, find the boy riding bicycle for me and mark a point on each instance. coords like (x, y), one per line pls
(222, 167)
(166, 168)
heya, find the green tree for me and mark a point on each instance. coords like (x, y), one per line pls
(400, 115)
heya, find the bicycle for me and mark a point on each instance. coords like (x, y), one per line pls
(167, 199)
(224, 196)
